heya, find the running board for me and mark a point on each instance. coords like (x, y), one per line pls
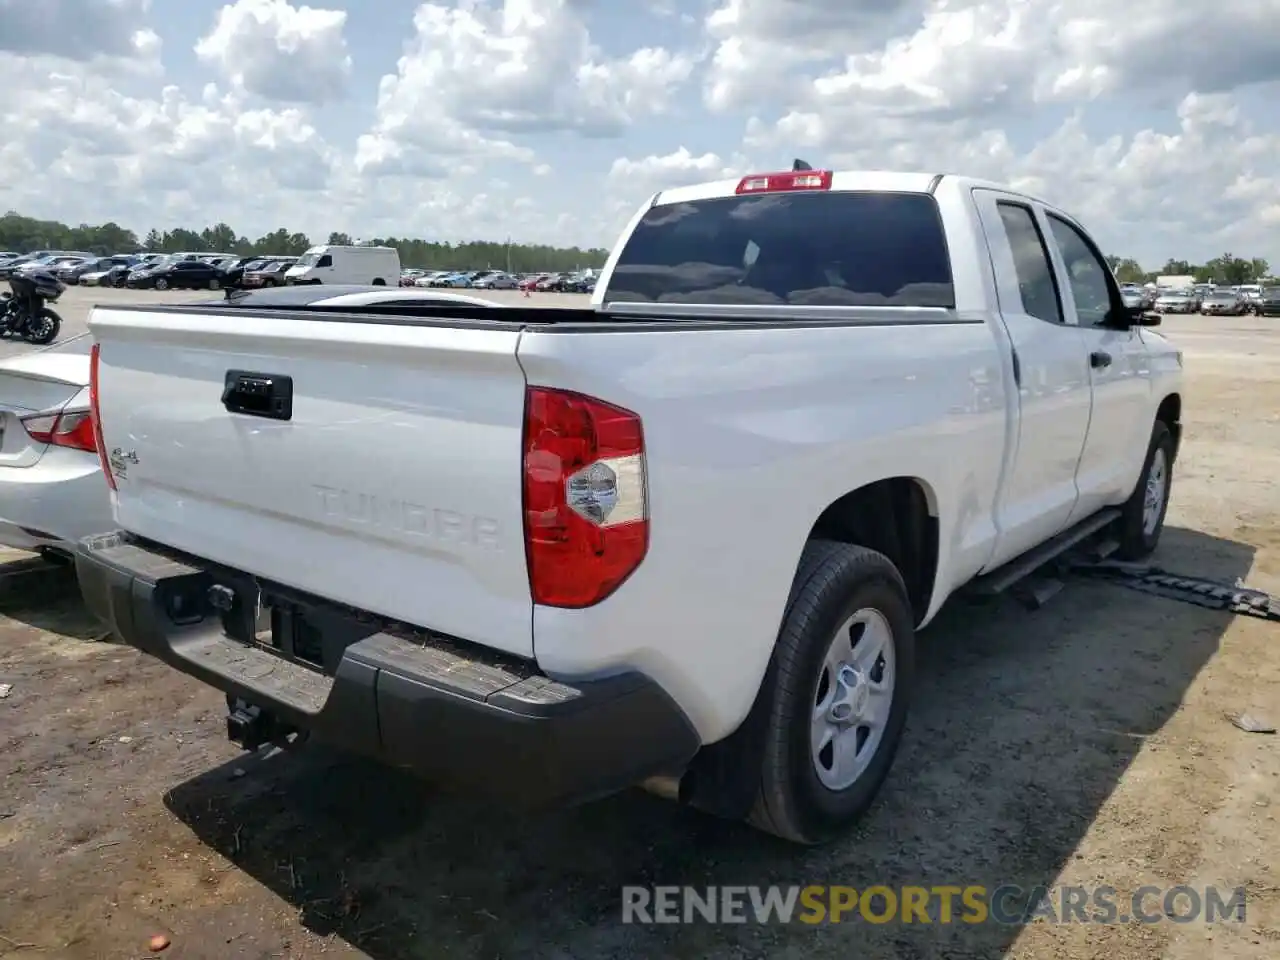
(1002, 578)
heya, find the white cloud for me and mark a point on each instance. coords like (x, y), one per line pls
(649, 174)
(759, 45)
(956, 92)
(552, 119)
(280, 52)
(477, 76)
(81, 150)
(973, 56)
(80, 30)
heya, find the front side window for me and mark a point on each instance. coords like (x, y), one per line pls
(325, 261)
(1086, 273)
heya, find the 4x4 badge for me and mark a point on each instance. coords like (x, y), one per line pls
(119, 458)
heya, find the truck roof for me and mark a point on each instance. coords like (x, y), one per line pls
(886, 181)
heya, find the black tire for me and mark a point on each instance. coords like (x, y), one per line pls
(833, 581)
(1138, 538)
(379, 282)
(214, 284)
(47, 326)
(162, 283)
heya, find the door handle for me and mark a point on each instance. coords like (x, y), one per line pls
(266, 395)
(1099, 359)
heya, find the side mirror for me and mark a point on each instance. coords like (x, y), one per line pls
(1124, 317)
(1150, 320)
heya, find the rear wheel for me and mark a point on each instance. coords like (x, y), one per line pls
(379, 282)
(838, 689)
(214, 284)
(1142, 517)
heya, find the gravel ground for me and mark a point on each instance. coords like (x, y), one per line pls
(1086, 743)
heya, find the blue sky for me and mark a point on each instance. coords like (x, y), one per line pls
(549, 120)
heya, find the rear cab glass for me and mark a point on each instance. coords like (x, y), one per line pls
(824, 248)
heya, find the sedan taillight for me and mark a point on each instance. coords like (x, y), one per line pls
(72, 430)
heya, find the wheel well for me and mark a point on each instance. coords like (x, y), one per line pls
(896, 517)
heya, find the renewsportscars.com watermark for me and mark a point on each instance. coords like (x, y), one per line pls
(944, 904)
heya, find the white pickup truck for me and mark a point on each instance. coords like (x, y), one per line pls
(686, 535)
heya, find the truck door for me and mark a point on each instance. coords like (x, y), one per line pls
(1119, 368)
(1038, 491)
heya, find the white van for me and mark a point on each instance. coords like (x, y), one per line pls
(379, 266)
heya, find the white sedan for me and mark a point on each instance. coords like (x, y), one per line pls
(52, 490)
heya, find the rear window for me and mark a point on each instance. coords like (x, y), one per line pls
(806, 249)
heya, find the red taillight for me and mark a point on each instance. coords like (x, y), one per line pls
(781, 182)
(74, 430)
(95, 415)
(586, 518)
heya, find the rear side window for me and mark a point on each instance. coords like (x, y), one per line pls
(806, 249)
(1036, 282)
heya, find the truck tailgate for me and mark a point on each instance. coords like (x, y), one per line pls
(394, 484)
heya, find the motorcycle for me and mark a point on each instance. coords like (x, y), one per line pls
(24, 313)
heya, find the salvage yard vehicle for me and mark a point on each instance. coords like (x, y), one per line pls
(330, 263)
(177, 274)
(1268, 303)
(685, 536)
(1176, 302)
(1223, 303)
(51, 488)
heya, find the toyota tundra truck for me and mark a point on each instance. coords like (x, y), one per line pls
(685, 535)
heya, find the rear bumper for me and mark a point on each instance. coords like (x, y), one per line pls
(447, 710)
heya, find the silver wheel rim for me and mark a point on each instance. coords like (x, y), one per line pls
(1153, 497)
(853, 699)
(41, 327)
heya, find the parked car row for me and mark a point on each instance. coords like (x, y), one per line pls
(157, 271)
(1207, 299)
(210, 273)
(576, 282)
(1219, 301)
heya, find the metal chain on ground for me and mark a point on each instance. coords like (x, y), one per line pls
(1196, 590)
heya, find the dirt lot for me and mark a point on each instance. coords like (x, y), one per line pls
(1083, 744)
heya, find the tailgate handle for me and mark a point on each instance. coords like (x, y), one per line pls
(267, 395)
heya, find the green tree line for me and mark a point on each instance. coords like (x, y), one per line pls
(23, 234)
(1227, 269)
